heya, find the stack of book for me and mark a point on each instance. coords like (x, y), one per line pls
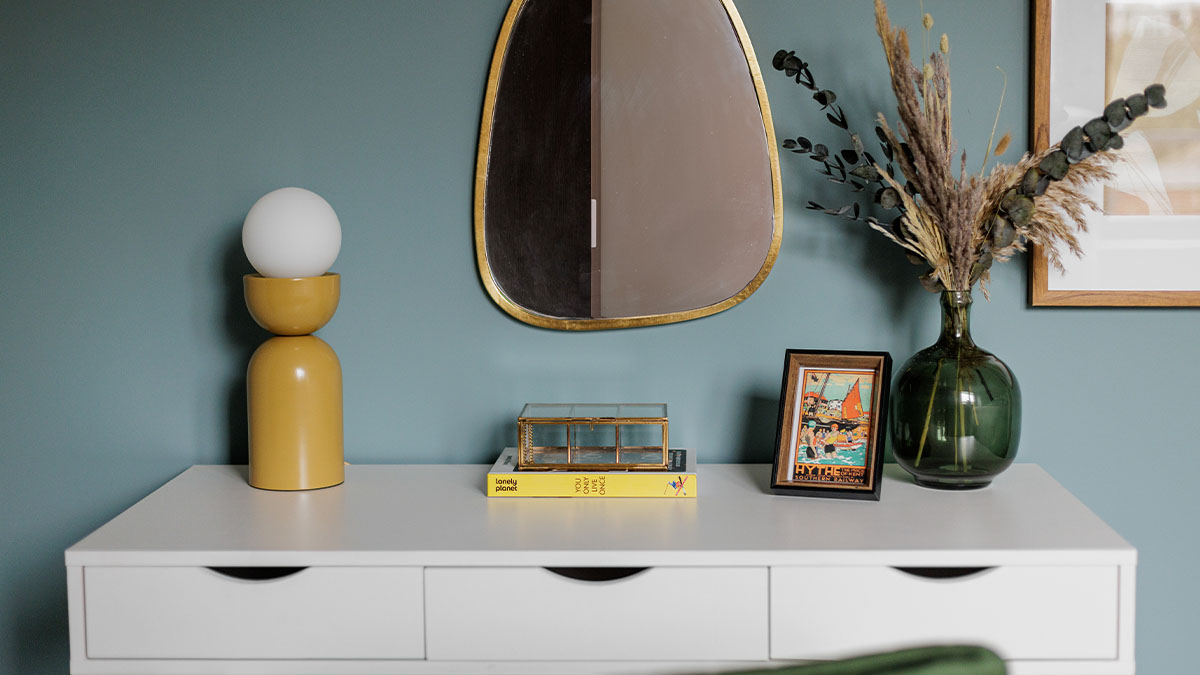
(677, 482)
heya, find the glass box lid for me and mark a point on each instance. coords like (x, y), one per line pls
(647, 411)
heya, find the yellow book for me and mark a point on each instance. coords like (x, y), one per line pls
(678, 482)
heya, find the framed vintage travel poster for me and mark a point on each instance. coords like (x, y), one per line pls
(832, 412)
(1141, 243)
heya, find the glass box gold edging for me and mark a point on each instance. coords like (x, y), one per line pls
(525, 426)
(481, 166)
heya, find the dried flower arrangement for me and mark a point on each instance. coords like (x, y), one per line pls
(957, 227)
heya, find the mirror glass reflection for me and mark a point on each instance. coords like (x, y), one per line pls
(627, 172)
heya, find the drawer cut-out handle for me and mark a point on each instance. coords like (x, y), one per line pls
(257, 573)
(596, 573)
(943, 572)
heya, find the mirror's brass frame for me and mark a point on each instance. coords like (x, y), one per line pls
(481, 167)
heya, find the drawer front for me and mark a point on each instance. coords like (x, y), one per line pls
(1020, 612)
(199, 613)
(523, 613)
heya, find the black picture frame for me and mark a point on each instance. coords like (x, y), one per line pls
(841, 454)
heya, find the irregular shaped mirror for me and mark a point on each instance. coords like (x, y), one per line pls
(627, 172)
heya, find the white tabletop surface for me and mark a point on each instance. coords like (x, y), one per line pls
(439, 515)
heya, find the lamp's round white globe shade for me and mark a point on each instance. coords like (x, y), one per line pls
(291, 232)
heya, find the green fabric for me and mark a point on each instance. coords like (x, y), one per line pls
(954, 660)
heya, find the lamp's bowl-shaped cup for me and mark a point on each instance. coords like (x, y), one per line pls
(292, 306)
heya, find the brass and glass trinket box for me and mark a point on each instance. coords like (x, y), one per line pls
(593, 436)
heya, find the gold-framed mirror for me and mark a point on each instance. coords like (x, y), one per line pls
(627, 172)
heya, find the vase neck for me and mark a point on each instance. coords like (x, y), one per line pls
(956, 319)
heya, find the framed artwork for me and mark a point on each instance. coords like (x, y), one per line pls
(832, 422)
(1142, 244)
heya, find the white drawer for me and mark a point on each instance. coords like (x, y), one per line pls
(1022, 612)
(530, 613)
(199, 613)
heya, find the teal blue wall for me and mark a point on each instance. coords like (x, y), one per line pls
(134, 137)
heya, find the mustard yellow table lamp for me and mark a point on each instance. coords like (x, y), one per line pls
(294, 380)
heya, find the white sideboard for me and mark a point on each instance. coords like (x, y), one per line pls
(411, 569)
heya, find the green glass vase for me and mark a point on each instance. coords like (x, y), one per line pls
(956, 408)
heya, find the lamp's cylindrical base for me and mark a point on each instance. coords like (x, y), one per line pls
(294, 396)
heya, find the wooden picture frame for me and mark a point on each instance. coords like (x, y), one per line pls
(1088, 294)
(832, 423)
